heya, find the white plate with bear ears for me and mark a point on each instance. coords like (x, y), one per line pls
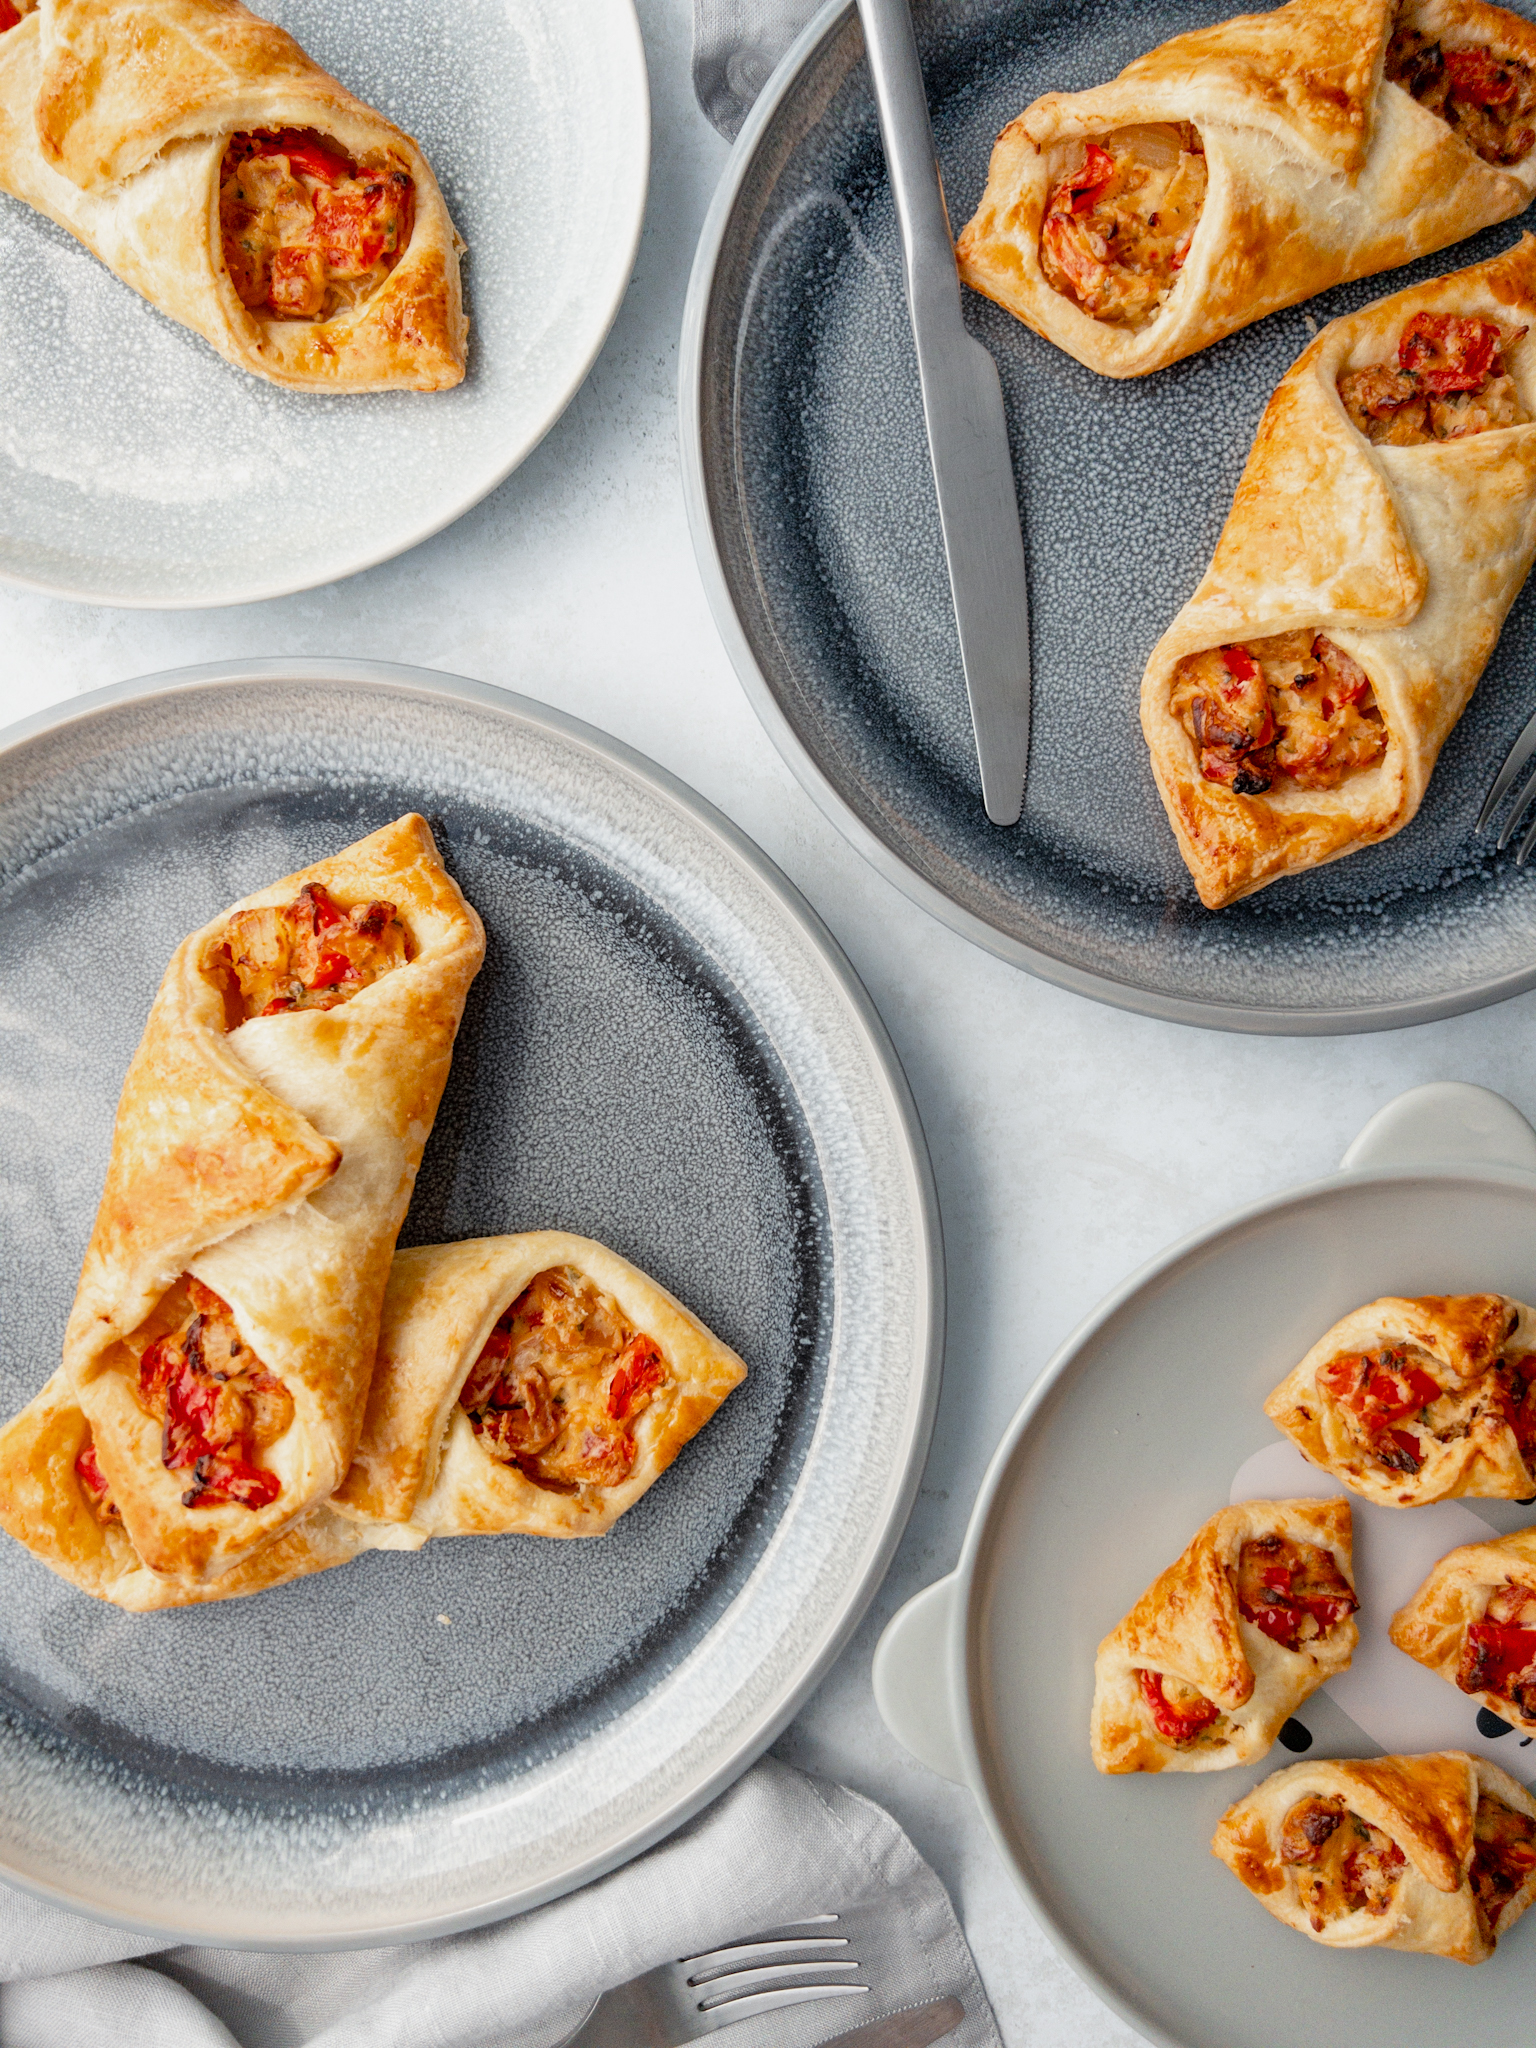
(664, 1050)
(139, 468)
(1132, 1437)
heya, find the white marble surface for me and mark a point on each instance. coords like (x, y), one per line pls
(1070, 1141)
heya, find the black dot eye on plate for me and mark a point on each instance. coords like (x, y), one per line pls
(1489, 1724)
(1295, 1737)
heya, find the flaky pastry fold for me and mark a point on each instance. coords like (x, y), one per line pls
(1460, 1436)
(114, 120)
(1426, 1806)
(419, 1462)
(1407, 558)
(1188, 1627)
(1320, 169)
(272, 1163)
(1432, 1628)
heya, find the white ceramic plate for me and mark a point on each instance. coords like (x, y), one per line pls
(1135, 1433)
(138, 468)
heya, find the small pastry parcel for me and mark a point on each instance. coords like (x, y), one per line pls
(55, 1499)
(1407, 1402)
(1225, 1645)
(218, 170)
(537, 1383)
(267, 1140)
(1383, 526)
(1245, 166)
(1434, 1854)
(1474, 1622)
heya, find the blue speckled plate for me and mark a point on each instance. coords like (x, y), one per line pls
(818, 534)
(663, 1050)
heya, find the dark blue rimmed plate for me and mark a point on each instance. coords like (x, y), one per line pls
(663, 1050)
(818, 536)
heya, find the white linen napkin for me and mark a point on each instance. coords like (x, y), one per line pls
(778, 1847)
(736, 44)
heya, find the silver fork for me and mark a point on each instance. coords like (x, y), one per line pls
(683, 2001)
(1516, 759)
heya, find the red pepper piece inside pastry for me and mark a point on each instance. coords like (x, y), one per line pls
(93, 1482)
(1431, 1854)
(306, 232)
(1119, 220)
(1484, 94)
(219, 1406)
(1227, 1643)
(1473, 1622)
(561, 1382)
(1447, 380)
(1414, 1401)
(1292, 709)
(309, 954)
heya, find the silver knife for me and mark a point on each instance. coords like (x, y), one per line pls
(912, 2029)
(967, 430)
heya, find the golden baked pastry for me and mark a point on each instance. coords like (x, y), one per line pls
(537, 1383)
(1245, 166)
(1384, 524)
(1434, 1854)
(55, 1499)
(1474, 1622)
(217, 169)
(268, 1135)
(1407, 1402)
(1224, 1646)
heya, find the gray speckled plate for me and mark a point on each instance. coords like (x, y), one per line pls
(138, 468)
(663, 1050)
(818, 535)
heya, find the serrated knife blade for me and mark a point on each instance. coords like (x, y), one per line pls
(967, 428)
(915, 2028)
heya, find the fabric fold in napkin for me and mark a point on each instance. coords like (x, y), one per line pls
(778, 1847)
(736, 44)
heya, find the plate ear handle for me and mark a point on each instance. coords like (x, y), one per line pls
(914, 1688)
(1445, 1123)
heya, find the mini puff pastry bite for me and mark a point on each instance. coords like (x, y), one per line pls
(202, 156)
(1245, 166)
(267, 1139)
(1225, 1645)
(1474, 1622)
(1433, 1854)
(1384, 524)
(1408, 1402)
(55, 1499)
(537, 1383)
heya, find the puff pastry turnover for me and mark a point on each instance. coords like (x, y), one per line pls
(1225, 1645)
(267, 1139)
(217, 169)
(1383, 526)
(1407, 1402)
(55, 1499)
(1474, 1622)
(1246, 166)
(1434, 1854)
(537, 1383)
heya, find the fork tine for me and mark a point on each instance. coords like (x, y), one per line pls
(1514, 761)
(774, 2001)
(1517, 810)
(772, 1950)
(1524, 852)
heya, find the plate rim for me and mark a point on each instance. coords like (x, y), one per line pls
(964, 1624)
(1258, 1019)
(901, 1490)
(626, 39)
